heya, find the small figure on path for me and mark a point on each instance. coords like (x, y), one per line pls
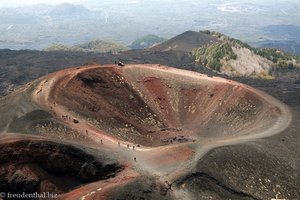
(119, 63)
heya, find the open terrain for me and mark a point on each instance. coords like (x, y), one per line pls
(180, 126)
(144, 130)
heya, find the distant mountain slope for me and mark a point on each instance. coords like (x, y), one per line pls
(67, 9)
(283, 32)
(235, 58)
(92, 46)
(186, 41)
(102, 46)
(146, 42)
(287, 46)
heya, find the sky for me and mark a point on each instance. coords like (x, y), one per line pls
(17, 3)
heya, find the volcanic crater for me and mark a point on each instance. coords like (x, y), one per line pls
(88, 131)
(154, 105)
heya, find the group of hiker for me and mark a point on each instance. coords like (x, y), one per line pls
(119, 144)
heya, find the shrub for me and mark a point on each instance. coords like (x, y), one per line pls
(211, 55)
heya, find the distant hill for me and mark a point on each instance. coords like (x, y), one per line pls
(186, 41)
(100, 46)
(211, 49)
(284, 37)
(235, 58)
(67, 9)
(146, 42)
(283, 32)
(288, 46)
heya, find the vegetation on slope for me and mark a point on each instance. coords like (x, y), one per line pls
(279, 58)
(146, 42)
(59, 47)
(100, 46)
(230, 56)
(211, 55)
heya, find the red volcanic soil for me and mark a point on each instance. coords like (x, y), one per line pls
(155, 105)
(31, 164)
(156, 121)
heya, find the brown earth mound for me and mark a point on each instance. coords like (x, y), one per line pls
(44, 166)
(155, 105)
(186, 41)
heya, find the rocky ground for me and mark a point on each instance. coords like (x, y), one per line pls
(258, 169)
(20, 67)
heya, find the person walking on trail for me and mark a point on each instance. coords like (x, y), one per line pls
(86, 134)
(133, 148)
(134, 159)
(127, 146)
(101, 141)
